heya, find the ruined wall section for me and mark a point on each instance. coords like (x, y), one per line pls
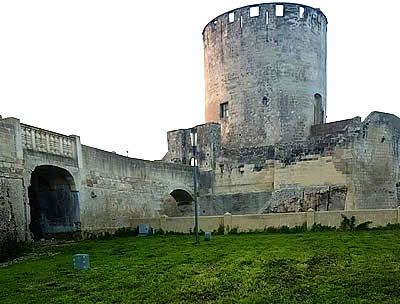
(302, 199)
(318, 160)
(290, 177)
(374, 163)
(115, 188)
(267, 70)
(345, 165)
(13, 217)
(208, 146)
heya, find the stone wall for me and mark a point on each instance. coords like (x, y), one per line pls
(110, 188)
(260, 222)
(12, 206)
(349, 165)
(13, 217)
(353, 163)
(116, 188)
(301, 199)
(238, 203)
(374, 163)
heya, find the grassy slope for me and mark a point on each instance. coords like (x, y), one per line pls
(330, 267)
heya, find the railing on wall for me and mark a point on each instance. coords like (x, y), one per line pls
(37, 139)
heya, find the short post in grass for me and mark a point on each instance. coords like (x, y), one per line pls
(310, 218)
(227, 222)
(81, 261)
(398, 215)
(193, 138)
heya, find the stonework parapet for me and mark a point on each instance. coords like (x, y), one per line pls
(41, 140)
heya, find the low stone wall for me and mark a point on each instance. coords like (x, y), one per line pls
(247, 223)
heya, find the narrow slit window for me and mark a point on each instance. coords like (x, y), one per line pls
(301, 12)
(241, 21)
(213, 24)
(318, 109)
(254, 11)
(279, 10)
(266, 18)
(231, 17)
(224, 110)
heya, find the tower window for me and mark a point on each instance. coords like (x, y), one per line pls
(254, 11)
(318, 110)
(231, 17)
(279, 10)
(301, 12)
(223, 110)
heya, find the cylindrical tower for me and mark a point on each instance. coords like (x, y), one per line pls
(265, 73)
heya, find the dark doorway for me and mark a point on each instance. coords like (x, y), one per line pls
(54, 203)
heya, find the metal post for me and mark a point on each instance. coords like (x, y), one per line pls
(196, 211)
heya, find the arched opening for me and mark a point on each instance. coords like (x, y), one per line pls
(54, 202)
(318, 110)
(177, 203)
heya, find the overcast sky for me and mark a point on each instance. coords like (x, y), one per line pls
(120, 74)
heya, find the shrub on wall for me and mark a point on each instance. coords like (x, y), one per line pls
(350, 224)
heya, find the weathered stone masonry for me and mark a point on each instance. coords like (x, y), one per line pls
(267, 70)
(342, 165)
(265, 79)
(265, 146)
(50, 184)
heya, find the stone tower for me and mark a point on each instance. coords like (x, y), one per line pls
(265, 73)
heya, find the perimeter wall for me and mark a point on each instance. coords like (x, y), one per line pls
(259, 222)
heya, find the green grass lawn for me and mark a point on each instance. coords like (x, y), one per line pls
(326, 267)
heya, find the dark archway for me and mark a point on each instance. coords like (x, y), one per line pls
(54, 202)
(181, 196)
(177, 203)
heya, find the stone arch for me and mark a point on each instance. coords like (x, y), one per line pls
(318, 109)
(53, 201)
(178, 202)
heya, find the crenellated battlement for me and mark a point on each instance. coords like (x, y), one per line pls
(265, 73)
(266, 16)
